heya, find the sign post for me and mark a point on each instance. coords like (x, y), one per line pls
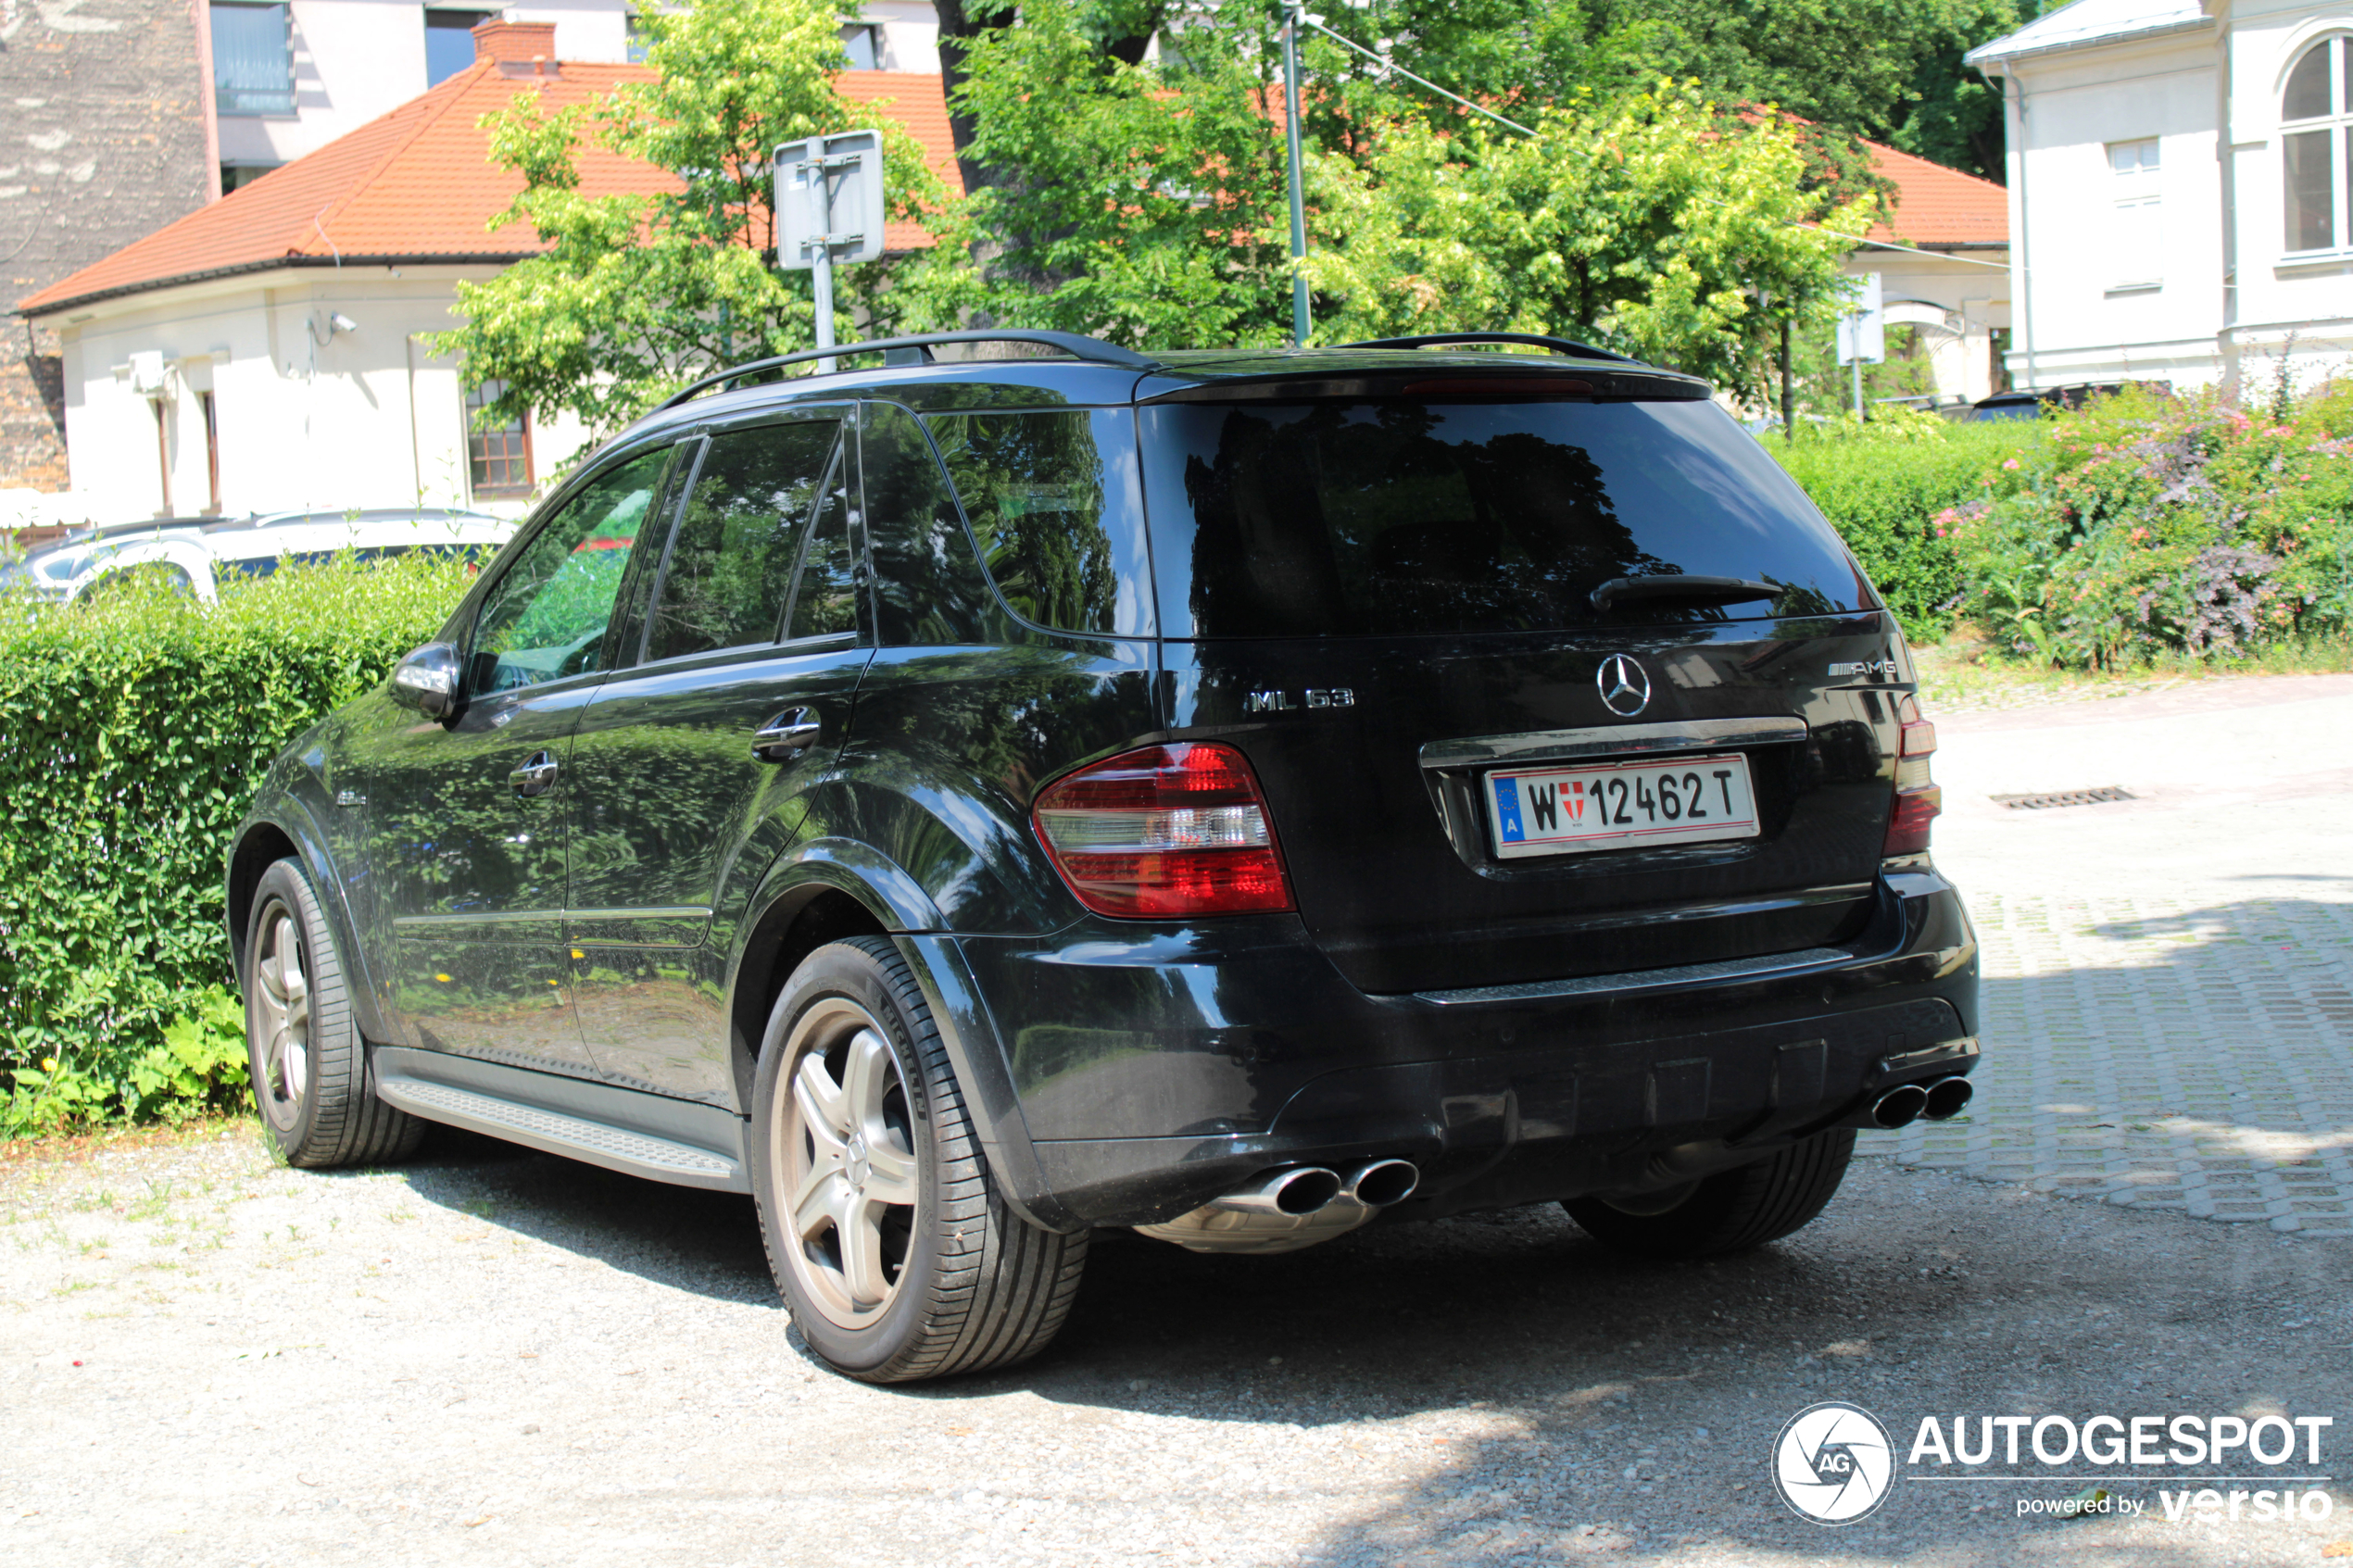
(829, 213)
(1294, 12)
(1862, 332)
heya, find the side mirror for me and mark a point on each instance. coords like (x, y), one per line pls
(427, 679)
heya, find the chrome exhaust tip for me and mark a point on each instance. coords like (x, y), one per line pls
(1381, 1183)
(1302, 1189)
(1900, 1106)
(1946, 1098)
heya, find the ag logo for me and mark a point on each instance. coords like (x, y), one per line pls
(1833, 1463)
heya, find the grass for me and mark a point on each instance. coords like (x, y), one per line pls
(78, 1144)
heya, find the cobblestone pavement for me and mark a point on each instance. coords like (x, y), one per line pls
(2168, 982)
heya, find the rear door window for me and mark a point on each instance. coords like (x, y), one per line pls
(1396, 516)
(1055, 508)
(729, 572)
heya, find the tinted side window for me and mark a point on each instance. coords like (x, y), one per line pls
(1395, 517)
(827, 599)
(1055, 507)
(927, 584)
(544, 618)
(731, 561)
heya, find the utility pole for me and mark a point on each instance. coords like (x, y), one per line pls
(1293, 12)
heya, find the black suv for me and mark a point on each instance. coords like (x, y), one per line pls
(1228, 794)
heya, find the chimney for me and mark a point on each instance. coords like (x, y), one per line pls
(520, 49)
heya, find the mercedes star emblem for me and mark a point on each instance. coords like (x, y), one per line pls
(1625, 691)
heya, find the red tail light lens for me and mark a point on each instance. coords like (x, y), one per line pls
(1166, 830)
(1918, 800)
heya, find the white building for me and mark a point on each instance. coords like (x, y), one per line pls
(1949, 282)
(290, 76)
(2178, 190)
(271, 350)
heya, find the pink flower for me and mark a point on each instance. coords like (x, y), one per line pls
(1940, 533)
(2139, 535)
(2010, 463)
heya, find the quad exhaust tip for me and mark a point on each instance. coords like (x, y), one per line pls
(1900, 1106)
(1382, 1183)
(1947, 1097)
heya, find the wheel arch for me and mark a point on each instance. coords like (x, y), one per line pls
(261, 843)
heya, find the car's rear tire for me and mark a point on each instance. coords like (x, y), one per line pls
(309, 1067)
(884, 1230)
(1729, 1211)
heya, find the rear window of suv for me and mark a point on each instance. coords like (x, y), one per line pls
(1396, 516)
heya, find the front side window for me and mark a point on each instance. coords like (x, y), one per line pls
(545, 619)
(730, 569)
(2314, 147)
(497, 456)
(252, 59)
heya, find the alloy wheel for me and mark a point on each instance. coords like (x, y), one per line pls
(844, 1143)
(281, 1058)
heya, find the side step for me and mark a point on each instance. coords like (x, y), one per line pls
(623, 1130)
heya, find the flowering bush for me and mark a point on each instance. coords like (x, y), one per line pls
(2145, 524)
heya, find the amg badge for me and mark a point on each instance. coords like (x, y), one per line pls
(1281, 702)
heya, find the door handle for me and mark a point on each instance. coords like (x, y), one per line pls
(794, 730)
(536, 777)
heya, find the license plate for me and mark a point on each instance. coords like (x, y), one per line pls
(1618, 805)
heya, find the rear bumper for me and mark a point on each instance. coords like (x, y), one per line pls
(1156, 1067)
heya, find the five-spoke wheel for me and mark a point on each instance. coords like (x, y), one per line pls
(281, 998)
(847, 1143)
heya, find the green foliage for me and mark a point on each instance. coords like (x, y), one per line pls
(1644, 221)
(2145, 524)
(639, 293)
(2139, 528)
(1881, 482)
(133, 732)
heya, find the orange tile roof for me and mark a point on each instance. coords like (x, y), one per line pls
(417, 185)
(1937, 206)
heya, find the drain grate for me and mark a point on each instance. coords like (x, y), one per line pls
(2064, 797)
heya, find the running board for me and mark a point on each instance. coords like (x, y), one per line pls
(639, 1134)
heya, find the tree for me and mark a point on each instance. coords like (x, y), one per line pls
(1645, 223)
(640, 292)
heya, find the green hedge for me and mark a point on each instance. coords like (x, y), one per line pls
(133, 732)
(1882, 486)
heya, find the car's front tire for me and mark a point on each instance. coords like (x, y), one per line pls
(308, 1065)
(1729, 1211)
(885, 1231)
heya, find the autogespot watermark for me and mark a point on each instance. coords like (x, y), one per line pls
(1834, 1464)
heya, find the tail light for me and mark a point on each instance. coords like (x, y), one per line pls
(1918, 800)
(1166, 830)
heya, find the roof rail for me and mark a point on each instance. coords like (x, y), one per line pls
(917, 350)
(1558, 344)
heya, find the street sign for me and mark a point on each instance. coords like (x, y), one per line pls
(829, 199)
(1862, 332)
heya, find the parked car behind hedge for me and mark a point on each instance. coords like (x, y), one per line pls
(194, 555)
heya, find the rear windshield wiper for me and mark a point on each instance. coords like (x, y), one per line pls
(1681, 585)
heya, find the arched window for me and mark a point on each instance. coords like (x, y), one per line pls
(2314, 144)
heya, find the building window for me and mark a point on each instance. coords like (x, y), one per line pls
(499, 456)
(2314, 147)
(237, 176)
(865, 43)
(2138, 240)
(638, 39)
(252, 58)
(449, 43)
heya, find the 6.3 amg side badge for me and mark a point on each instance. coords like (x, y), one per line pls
(1624, 685)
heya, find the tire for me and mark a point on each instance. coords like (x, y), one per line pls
(309, 1067)
(856, 1106)
(1729, 1211)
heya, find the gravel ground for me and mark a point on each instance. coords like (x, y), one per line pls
(493, 1357)
(490, 1357)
